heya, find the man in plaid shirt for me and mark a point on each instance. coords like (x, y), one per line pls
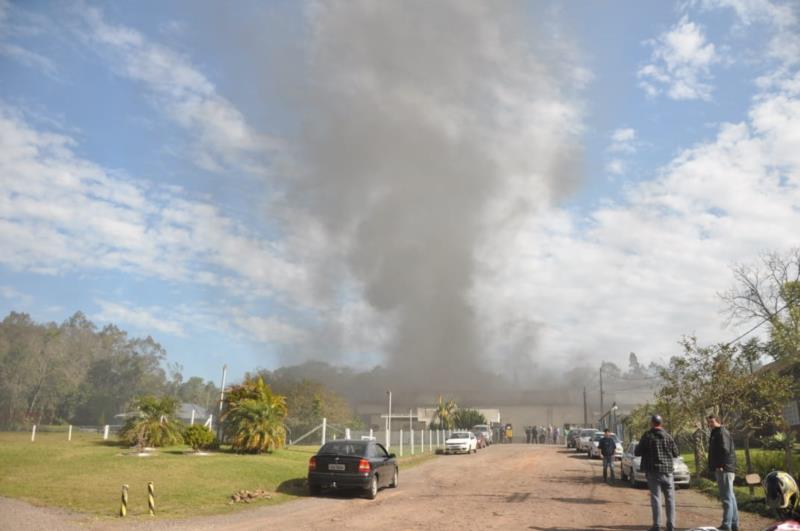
(657, 449)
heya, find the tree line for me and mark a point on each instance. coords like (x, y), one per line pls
(80, 374)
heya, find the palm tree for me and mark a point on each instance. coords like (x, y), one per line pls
(254, 417)
(153, 424)
(443, 416)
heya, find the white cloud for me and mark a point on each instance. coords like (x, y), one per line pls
(16, 297)
(222, 137)
(623, 144)
(780, 17)
(146, 319)
(616, 166)
(639, 274)
(61, 213)
(681, 63)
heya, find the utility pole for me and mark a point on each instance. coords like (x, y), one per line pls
(221, 402)
(602, 408)
(585, 416)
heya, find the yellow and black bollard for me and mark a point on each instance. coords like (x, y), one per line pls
(151, 498)
(123, 509)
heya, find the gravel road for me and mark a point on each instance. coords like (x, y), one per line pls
(543, 488)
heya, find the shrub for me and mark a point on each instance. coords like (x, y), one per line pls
(199, 437)
(152, 424)
(766, 461)
(774, 442)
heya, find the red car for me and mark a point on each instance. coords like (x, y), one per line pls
(481, 439)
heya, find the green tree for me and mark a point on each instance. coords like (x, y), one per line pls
(153, 423)
(254, 417)
(443, 417)
(467, 418)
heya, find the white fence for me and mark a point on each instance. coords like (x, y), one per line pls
(400, 442)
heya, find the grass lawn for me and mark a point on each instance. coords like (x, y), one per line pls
(763, 462)
(86, 475)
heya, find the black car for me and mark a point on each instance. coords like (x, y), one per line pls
(348, 464)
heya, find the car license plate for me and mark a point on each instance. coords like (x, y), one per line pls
(336, 467)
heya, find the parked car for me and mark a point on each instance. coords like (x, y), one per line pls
(594, 447)
(352, 464)
(572, 437)
(486, 431)
(481, 440)
(629, 469)
(584, 439)
(461, 442)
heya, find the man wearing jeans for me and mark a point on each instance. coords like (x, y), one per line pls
(722, 460)
(608, 449)
(657, 450)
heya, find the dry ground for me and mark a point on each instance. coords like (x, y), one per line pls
(542, 488)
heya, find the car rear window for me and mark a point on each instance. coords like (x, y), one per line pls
(344, 448)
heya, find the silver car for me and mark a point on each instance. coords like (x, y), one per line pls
(585, 439)
(485, 430)
(630, 469)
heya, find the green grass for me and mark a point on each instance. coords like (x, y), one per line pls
(86, 475)
(763, 462)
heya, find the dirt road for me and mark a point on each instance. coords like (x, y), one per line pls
(542, 488)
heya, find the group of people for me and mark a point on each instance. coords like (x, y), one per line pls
(658, 449)
(543, 434)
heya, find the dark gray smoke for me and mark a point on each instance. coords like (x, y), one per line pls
(429, 127)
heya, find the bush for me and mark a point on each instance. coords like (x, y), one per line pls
(766, 461)
(774, 442)
(199, 437)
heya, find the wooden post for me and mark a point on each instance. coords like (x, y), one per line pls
(69, 434)
(401, 442)
(33, 433)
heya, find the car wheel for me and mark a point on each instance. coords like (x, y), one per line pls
(372, 489)
(314, 490)
(394, 483)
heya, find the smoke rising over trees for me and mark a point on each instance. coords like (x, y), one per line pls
(429, 129)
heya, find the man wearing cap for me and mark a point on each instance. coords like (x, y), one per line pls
(657, 450)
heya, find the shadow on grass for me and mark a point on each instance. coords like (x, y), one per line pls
(294, 487)
(111, 443)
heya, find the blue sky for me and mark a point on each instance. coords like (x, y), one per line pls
(149, 152)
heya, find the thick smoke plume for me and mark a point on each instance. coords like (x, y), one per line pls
(431, 129)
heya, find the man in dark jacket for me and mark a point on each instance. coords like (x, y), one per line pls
(657, 449)
(608, 449)
(722, 460)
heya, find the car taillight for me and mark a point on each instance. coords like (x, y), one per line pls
(312, 464)
(363, 466)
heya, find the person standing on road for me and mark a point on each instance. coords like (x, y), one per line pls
(722, 460)
(608, 449)
(657, 450)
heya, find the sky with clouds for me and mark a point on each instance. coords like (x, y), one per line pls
(164, 168)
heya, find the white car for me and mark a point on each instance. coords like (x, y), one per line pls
(461, 442)
(630, 469)
(584, 440)
(594, 449)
